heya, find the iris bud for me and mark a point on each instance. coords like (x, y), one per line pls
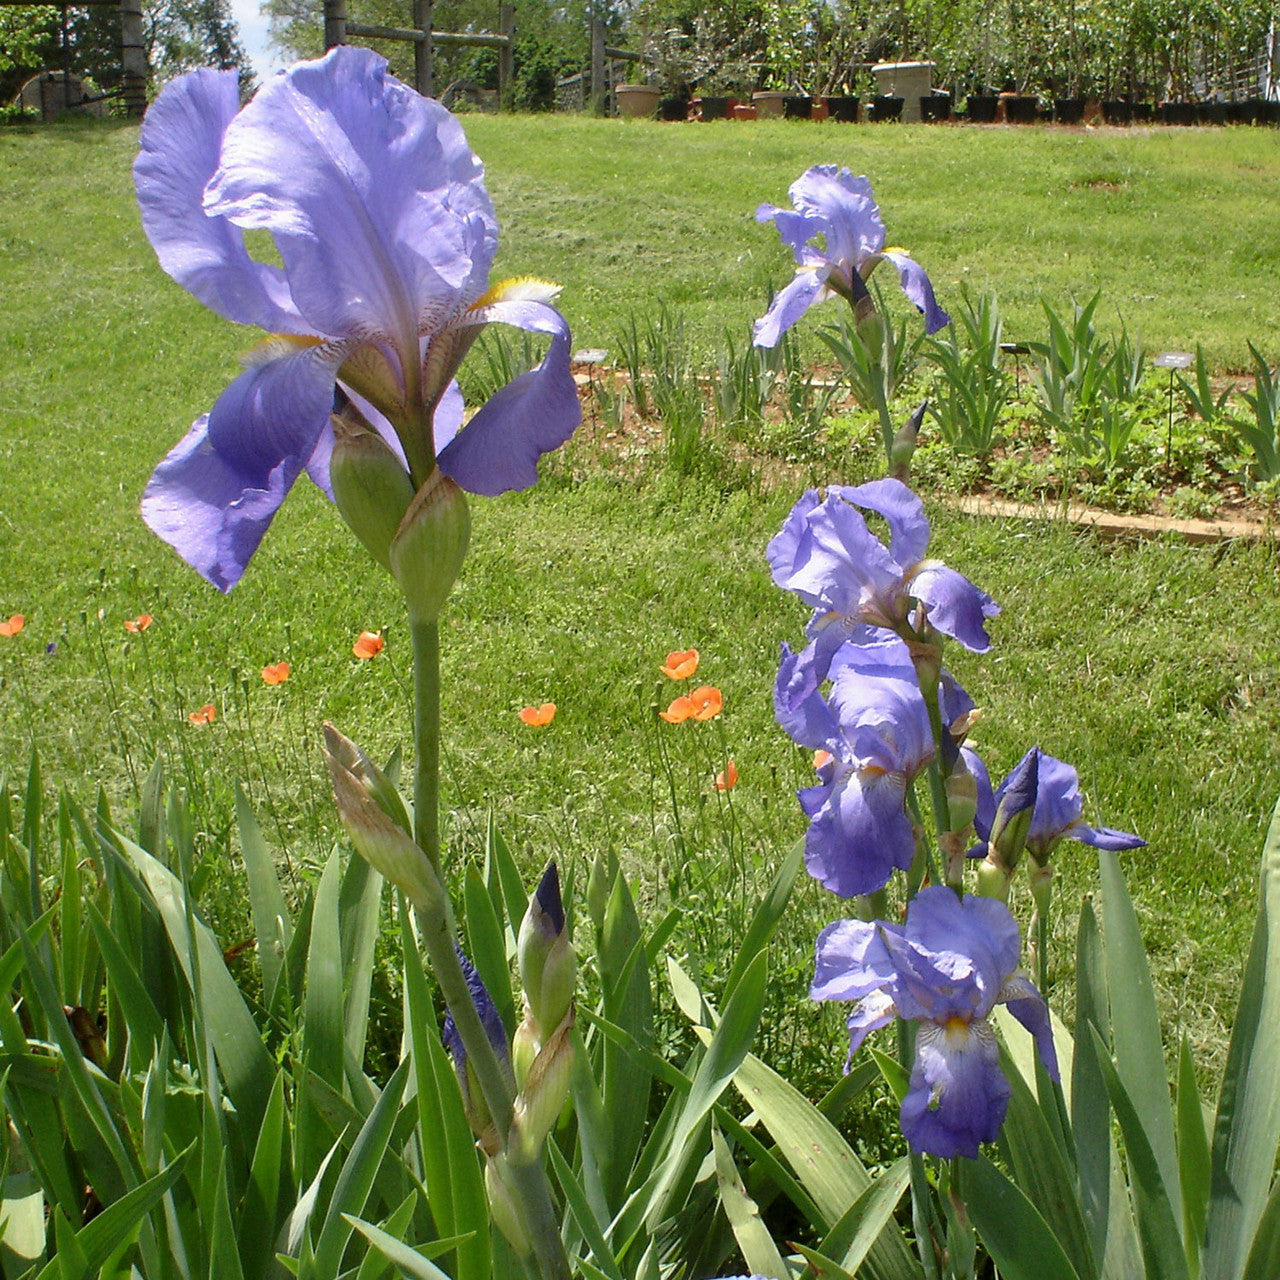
(371, 488)
(962, 796)
(543, 1096)
(428, 549)
(904, 444)
(1012, 822)
(548, 966)
(993, 880)
(373, 815)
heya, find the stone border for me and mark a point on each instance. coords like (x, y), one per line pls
(1109, 524)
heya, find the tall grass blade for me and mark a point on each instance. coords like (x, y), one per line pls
(411, 1262)
(1246, 1131)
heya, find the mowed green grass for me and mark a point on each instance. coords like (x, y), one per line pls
(1155, 668)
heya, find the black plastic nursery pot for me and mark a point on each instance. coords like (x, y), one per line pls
(1020, 109)
(1068, 110)
(884, 108)
(843, 109)
(1211, 112)
(981, 108)
(1179, 113)
(935, 107)
(673, 109)
(797, 107)
(1117, 111)
(714, 108)
(1142, 112)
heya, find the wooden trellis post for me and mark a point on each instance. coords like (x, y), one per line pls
(423, 54)
(133, 57)
(335, 23)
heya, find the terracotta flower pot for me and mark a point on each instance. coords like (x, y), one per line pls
(636, 101)
(768, 103)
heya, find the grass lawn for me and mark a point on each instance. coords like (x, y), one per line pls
(1154, 668)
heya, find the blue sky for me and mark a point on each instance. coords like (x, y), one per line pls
(253, 35)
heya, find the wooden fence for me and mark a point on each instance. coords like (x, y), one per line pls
(425, 41)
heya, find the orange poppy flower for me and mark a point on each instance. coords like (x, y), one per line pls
(13, 625)
(681, 664)
(368, 645)
(679, 711)
(205, 715)
(275, 673)
(820, 757)
(139, 624)
(539, 716)
(727, 778)
(707, 702)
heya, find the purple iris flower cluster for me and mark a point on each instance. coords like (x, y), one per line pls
(856, 695)
(385, 235)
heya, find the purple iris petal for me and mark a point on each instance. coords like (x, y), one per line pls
(827, 555)
(859, 833)
(947, 967)
(915, 284)
(208, 510)
(490, 1020)
(499, 448)
(789, 304)
(801, 710)
(368, 188)
(181, 144)
(958, 1096)
(954, 605)
(832, 204)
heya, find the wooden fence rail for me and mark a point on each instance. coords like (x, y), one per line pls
(425, 41)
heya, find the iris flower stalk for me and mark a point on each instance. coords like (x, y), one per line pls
(385, 234)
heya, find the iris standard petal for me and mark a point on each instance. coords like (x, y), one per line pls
(986, 798)
(915, 284)
(794, 229)
(860, 834)
(789, 304)
(847, 569)
(870, 1014)
(800, 709)
(955, 606)
(788, 548)
(370, 190)
(850, 962)
(854, 229)
(205, 507)
(498, 450)
(958, 1096)
(181, 144)
(902, 510)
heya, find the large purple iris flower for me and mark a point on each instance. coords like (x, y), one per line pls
(385, 233)
(946, 969)
(831, 559)
(1057, 812)
(875, 728)
(833, 204)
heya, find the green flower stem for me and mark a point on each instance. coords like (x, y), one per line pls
(426, 738)
(436, 930)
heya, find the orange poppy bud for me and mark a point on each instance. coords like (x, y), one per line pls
(681, 664)
(135, 626)
(368, 645)
(205, 715)
(727, 778)
(539, 716)
(275, 673)
(13, 625)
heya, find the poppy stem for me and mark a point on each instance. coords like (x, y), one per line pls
(426, 738)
